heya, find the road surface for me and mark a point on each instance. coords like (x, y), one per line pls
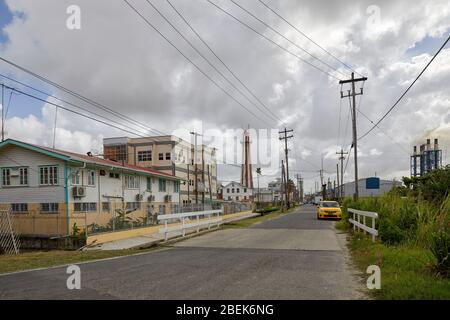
(290, 257)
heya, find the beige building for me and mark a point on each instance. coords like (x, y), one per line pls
(174, 156)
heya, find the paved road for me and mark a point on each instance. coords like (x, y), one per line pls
(290, 257)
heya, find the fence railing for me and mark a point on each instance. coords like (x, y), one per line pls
(190, 220)
(357, 223)
(9, 241)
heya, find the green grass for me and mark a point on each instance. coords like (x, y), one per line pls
(407, 272)
(45, 259)
(245, 223)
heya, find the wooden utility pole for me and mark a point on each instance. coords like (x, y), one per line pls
(285, 138)
(353, 94)
(195, 134)
(283, 183)
(336, 190)
(341, 192)
(3, 112)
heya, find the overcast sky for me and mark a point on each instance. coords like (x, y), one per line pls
(117, 60)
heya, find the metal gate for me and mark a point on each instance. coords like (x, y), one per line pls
(9, 241)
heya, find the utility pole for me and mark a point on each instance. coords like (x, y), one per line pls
(3, 112)
(285, 138)
(258, 173)
(353, 94)
(336, 190)
(283, 183)
(341, 193)
(195, 134)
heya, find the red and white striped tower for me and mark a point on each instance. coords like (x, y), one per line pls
(246, 171)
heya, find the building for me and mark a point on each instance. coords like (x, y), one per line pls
(52, 192)
(427, 159)
(264, 195)
(370, 187)
(171, 155)
(234, 191)
(277, 188)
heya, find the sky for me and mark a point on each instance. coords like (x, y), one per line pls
(122, 63)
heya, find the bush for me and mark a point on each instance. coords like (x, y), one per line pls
(440, 247)
(390, 232)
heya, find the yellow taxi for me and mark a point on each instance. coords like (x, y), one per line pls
(329, 210)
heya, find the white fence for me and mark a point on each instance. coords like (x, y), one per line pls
(190, 220)
(357, 223)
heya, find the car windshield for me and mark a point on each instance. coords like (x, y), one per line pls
(330, 205)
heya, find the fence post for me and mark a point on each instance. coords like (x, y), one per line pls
(364, 222)
(373, 227)
(165, 230)
(354, 226)
(184, 231)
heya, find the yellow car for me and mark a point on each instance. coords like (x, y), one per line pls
(329, 210)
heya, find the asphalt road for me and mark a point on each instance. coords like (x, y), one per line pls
(290, 257)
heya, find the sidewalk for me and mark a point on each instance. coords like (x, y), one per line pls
(157, 237)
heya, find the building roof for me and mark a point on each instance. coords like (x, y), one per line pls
(81, 158)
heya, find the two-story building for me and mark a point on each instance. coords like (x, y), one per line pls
(234, 191)
(196, 166)
(53, 192)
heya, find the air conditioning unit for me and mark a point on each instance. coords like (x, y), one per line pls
(167, 198)
(139, 197)
(78, 192)
(14, 173)
(151, 198)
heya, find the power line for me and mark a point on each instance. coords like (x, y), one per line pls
(190, 61)
(223, 63)
(270, 40)
(72, 111)
(306, 36)
(287, 39)
(72, 104)
(406, 91)
(207, 60)
(81, 97)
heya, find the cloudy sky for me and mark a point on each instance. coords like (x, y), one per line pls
(119, 61)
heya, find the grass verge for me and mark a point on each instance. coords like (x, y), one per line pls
(45, 259)
(406, 272)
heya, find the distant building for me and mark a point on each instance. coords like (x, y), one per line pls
(264, 195)
(370, 187)
(234, 191)
(172, 155)
(428, 158)
(277, 188)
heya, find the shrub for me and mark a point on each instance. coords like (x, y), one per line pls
(390, 232)
(440, 247)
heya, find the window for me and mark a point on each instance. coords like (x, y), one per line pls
(176, 186)
(237, 190)
(114, 175)
(167, 155)
(19, 207)
(229, 198)
(149, 184)
(145, 155)
(237, 198)
(49, 207)
(232, 190)
(48, 175)
(23, 176)
(105, 206)
(133, 205)
(84, 206)
(162, 209)
(162, 185)
(132, 182)
(245, 197)
(76, 177)
(161, 156)
(228, 190)
(6, 177)
(91, 178)
(245, 190)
